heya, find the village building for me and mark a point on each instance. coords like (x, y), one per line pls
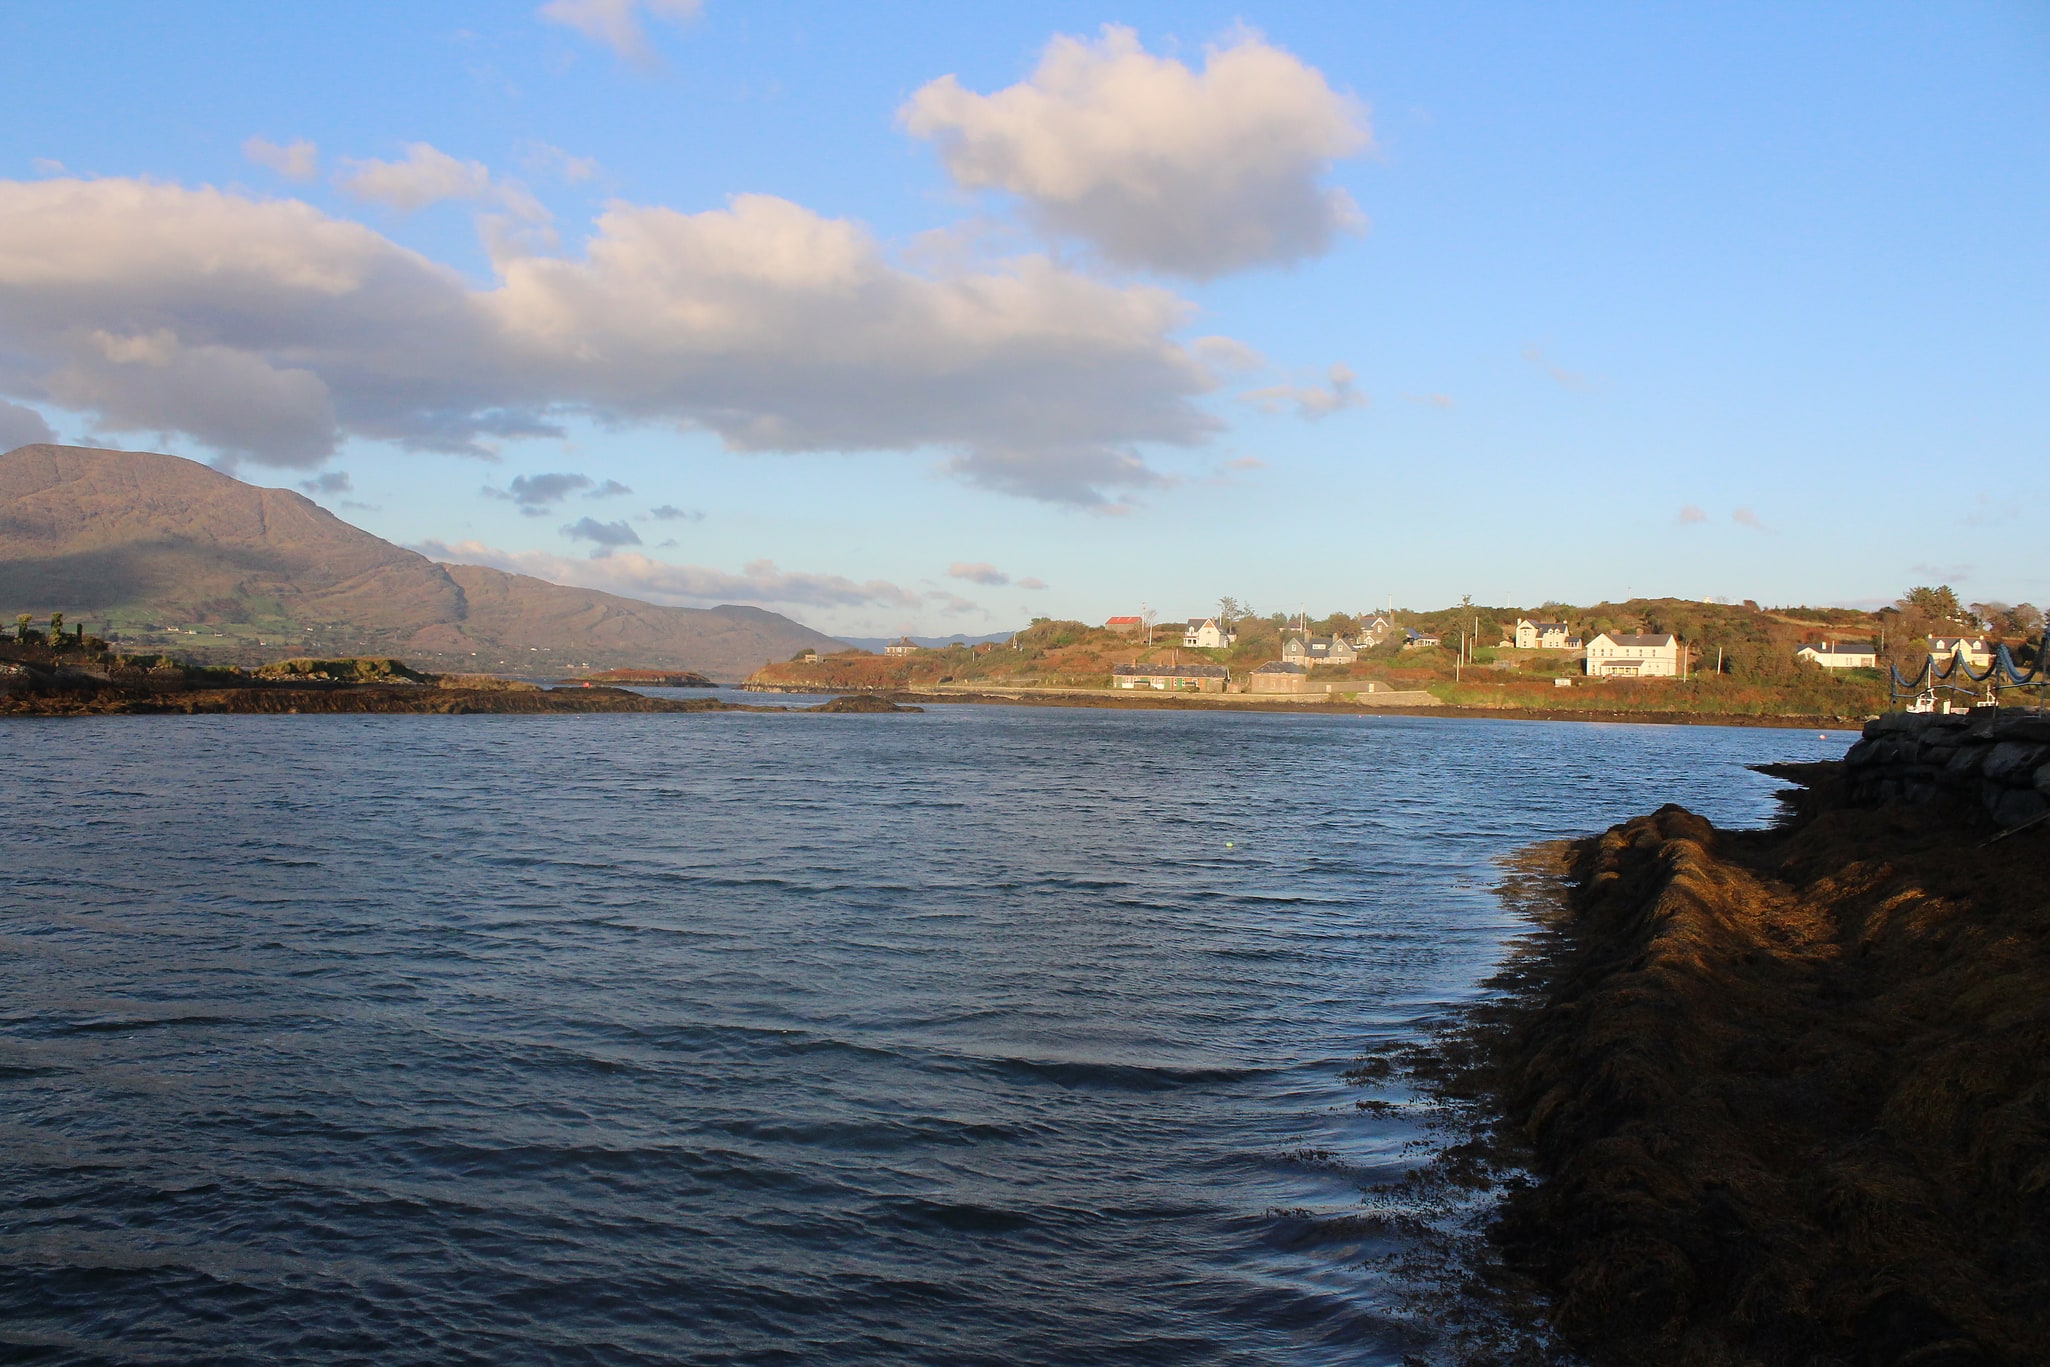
(1840, 654)
(1412, 639)
(1973, 650)
(903, 645)
(1545, 635)
(1279, 676)
(1318, 650)
(1373, 631)
(1207, 633)
(1124, 625)
(1633, 657)
(1171, 678)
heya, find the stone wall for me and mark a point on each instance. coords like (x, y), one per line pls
(1995, 757)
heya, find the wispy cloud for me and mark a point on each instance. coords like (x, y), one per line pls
(1691, 516)
(669, 512)
(1310, 401)
(981, 572)
(1036, 585)
(1570, 379)
(1438, 401)
(546, 159)
(1746, 517)
(617, 23)
(333, 482)
(535, 495)
(295, 160)
(636, 575)
(605, 537)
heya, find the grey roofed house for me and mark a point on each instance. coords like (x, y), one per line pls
(1281, 667)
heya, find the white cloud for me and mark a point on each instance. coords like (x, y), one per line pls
(270, 331)
(617, 23)
(635, 575)
(427, 176)
(981, 572)
(22, 427)
(1692, 516)
(1156, 165)
(1034, 584)
(297, 160)
(1310, 401)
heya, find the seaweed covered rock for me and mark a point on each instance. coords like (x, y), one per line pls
(1788, 1095)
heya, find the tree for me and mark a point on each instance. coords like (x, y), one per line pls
(1940, 602)
(21, 626)
(56, 626)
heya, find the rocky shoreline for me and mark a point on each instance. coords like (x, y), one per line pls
(60, 688)
(1777, 1096)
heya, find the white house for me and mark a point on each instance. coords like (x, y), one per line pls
(1413, 639)
(1206, 633)
(1840, 654)
(903, 645)
(1318, 650)
(1633, 657)
(1545, 635)
(1973, 650)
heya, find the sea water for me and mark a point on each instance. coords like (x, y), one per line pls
(987, 1035)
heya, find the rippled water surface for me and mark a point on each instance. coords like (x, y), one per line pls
(989, 1035)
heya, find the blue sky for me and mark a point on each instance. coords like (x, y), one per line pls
(1739, 301)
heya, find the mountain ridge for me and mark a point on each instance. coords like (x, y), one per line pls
(169, 552)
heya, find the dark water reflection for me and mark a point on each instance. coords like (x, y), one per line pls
(989, 1035)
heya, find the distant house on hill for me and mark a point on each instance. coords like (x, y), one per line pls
(1124, 625)
(903, 645)
(1373, 631)
(1973, 650)
(1207, 633)
(1413, 639)
(1840, 654)
(1633, 657)
(1318, 650)
(1545, 635)
(1279, 676)
(1204, 678)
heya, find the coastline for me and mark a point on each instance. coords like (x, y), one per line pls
(1332, 705)
(1765, 1096)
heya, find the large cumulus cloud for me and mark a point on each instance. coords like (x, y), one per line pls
(1158, 166)
(270, 331)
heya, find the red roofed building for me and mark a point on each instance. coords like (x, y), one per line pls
(1125, 624)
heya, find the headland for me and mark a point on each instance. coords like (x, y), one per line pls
(40, 683)
(1784, 1093)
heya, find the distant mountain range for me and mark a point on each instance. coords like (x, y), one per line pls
(167, 552)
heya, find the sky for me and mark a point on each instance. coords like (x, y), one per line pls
(937, 318)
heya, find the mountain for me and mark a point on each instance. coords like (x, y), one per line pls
(164, 551)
